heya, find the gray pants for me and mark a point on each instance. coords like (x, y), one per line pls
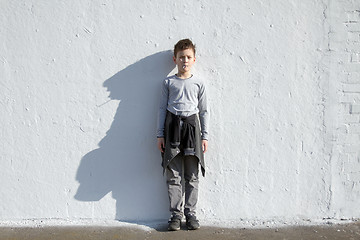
(174, 173)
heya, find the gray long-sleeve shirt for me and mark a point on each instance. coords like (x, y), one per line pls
(183, 97)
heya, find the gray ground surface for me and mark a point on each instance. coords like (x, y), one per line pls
(333, 231)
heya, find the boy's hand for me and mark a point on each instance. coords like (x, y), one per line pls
(161, 144)
(204, 145)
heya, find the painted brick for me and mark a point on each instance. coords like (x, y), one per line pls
(355, 57)
(342, 129)
(347, 139)
(351, 118)
(344, 108)
(353, 16)
(352, 167)
(353, 77)
(337, 46)
(350, 6)
(354, 128)
(355, 109)
(342, 57)
(352, 67)
(352, 148)
(337, 36)
(351, 88)
(352, 46)
(352, 27)
(347, 98)
(338, 28)
(353, 36)
(344, 157)
(354, 179)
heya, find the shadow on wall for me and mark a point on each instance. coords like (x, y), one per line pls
(127, 162)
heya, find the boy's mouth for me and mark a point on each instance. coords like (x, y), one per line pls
(184, 66)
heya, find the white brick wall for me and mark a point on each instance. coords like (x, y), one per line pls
(78, 96)
(344, 52)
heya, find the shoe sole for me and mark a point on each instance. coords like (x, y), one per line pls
(190, 228)
(173, 229)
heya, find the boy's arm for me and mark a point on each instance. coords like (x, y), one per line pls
(161, 144)
(203, 113)
(162, 114)
(204, 145)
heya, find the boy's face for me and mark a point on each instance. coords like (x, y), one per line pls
(184, 60)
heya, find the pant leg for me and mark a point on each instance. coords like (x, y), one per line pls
(173, 180)
(191, 175)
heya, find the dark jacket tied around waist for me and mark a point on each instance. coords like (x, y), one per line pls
(182, 133)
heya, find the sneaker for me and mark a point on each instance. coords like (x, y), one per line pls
(174, 223)
(192, 223)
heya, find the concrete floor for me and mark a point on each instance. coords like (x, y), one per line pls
(333, 231)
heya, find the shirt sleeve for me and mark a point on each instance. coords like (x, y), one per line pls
(164, 95)
(204, 113)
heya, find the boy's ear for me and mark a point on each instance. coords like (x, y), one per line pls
(174, 59)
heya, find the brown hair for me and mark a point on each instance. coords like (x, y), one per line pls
(182, 45)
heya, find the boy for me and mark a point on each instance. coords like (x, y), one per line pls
(183, 109)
